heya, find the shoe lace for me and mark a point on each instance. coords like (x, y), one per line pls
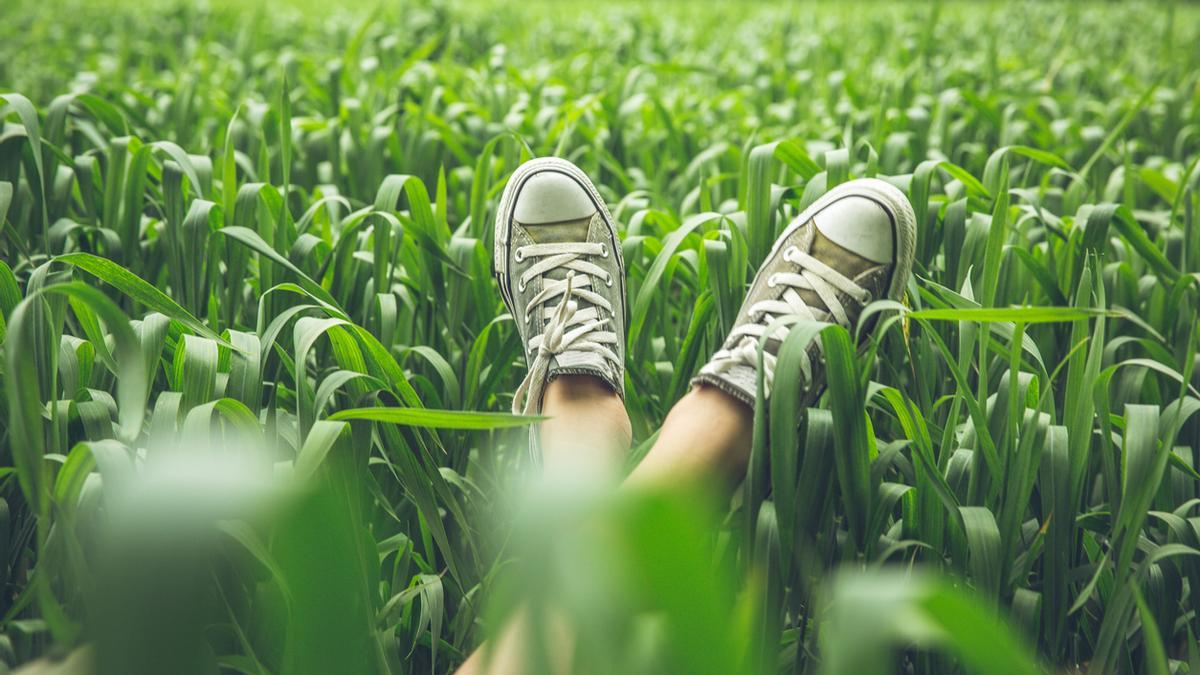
(811, 275)
(567, 327)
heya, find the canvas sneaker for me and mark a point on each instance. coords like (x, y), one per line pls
(852, 246)
(558, 264)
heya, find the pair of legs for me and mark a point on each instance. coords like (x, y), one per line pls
(560, 272)
(705, 440)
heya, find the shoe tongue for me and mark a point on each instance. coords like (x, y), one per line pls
(566, 231)
(845, 261)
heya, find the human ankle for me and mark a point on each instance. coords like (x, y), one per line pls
(577, 386)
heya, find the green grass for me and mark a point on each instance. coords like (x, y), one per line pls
(255, 365)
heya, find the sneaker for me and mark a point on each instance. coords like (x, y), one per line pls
(558, 263)
(854, 245)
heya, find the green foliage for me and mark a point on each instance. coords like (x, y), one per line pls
(271, 222)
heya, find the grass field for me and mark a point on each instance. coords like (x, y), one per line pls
(255, 363)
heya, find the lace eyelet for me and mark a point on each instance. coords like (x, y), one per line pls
(788, 253)
(867, 298)
(608, 280)
(521, 286)
(519, 255)
(771, 283)
(603, 251)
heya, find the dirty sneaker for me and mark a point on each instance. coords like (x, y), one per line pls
(854, 245)
(558, 263)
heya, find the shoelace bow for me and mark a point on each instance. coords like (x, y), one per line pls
(568, 327)
(813, 275)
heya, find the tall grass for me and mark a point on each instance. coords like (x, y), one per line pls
(268, 227)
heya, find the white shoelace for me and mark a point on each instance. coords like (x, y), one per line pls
(568, 327)
(813, 275)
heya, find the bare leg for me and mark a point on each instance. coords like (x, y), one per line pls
(585, 439)
(510, 652)
(705, 442)
(589, 432)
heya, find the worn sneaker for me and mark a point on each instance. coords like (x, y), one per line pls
(854, 245)
(558, 263)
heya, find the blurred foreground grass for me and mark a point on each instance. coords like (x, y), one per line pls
(262, 231)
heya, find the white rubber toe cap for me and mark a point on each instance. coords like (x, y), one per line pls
(859, 225)
(552, 197)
